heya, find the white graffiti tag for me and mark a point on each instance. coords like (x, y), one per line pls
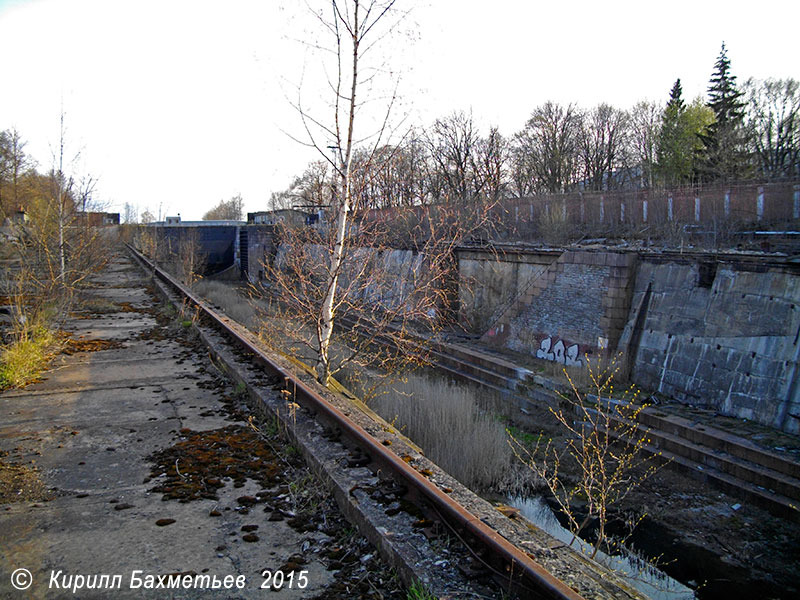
(560, 353)
(544, 350)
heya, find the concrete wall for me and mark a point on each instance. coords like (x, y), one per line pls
(260, 247)
(220, 247)
(717, 330)
(215, 244)
(389, 279)
(721, 334)
(576, 305)
(393, 278)
(721, 331)
(489, 283)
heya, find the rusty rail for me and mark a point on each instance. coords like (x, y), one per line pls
(518, 566)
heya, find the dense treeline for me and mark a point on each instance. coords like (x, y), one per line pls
(24, 189)
(226, 210)
(738, 133)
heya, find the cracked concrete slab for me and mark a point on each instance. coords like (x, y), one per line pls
(86, 432)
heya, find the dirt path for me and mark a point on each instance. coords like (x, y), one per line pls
(86, 464)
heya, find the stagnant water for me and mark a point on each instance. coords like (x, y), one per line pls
(637, 572)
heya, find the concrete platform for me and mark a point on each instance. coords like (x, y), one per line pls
(84, 435)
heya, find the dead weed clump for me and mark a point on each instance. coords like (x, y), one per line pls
(73, 346)
(447, 422)
(230, 300)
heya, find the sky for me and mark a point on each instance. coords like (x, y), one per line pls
(174, 105)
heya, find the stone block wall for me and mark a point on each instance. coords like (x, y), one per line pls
(721, 333)
(388, 279)
(490, 282)
(577, 306)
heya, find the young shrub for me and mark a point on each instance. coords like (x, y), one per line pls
(601, 461)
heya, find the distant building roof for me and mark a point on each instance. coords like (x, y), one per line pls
(179, 223)
(270, 217)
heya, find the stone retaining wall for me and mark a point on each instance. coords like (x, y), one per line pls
(722, 334)
(717, 330)
(575, 307)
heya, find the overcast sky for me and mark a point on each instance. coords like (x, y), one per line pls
(176, 104)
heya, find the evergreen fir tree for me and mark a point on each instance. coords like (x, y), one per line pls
(675, 96)
(674, 155)
(723, 96)
(724, 155)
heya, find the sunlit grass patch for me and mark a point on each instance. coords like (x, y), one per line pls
(22, 361)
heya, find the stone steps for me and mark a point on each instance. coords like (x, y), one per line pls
(765, 487)
(775, 503)
(716, 439)
(732, 463)
(476, 371)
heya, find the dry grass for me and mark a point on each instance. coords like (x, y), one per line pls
(274, 329)
(230, 300)
(29, 336)
(22, 361)
(448, 423)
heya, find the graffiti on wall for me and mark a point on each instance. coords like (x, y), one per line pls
(559, 352)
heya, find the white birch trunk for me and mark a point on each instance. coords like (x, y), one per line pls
(327, 313)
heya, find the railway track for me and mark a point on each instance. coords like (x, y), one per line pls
(516, 569)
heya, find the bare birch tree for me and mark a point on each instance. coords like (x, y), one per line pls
(383, 274)
(353, 28)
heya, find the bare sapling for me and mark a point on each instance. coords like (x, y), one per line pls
(391, 300)
(55, 251)
(354, 288)
(601, 461)
(189, 258)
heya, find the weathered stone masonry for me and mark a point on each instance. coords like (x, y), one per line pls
(490, 283)
(578, 305)
(717, 330)
(721, 331)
